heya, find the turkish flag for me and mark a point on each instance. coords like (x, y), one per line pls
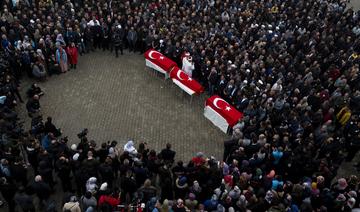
(221, 113)
(158, 61)
(186, 83)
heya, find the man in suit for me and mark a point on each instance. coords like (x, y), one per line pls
(168, 154)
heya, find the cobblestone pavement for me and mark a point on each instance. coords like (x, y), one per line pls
(355, 4)
(119, 99)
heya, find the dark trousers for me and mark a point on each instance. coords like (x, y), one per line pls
(97, 42)
(117, 48)
(73, 66)
(105, 44)
(66, 183)
(132, 45)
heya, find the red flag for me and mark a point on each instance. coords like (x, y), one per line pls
(158, 61)
(221, 113)
(186, 83)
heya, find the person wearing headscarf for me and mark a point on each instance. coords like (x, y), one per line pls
(129, 147)
(19, 45)
(38, 71)
(60, 39)
(61, 58)
(91, 185)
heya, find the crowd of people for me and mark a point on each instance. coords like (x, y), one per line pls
(291, 66)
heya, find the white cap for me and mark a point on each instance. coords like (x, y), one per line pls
(38, 178)
(73, 147)
(76, 156)
(103, 186)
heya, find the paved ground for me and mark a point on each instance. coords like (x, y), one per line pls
(119, 99)
(355, 4)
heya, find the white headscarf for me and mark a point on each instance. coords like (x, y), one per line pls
(112, 152)
(40, 54)
(2, 99)
(91, 184)
(129, 147)
(19, 45)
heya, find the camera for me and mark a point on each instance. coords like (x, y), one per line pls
(83, 133)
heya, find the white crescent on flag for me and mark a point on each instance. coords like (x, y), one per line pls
(216, 105)
(150, 54)
(178, 74)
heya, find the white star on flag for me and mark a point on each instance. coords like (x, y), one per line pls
(228, 108)
(161, 57)
(189, 79)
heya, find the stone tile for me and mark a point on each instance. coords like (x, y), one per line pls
(120, 99)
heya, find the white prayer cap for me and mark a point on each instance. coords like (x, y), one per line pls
(73, 147)
(38, 178)
(76, 156)
(103, 186)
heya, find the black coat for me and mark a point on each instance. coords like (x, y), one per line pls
(8, 191)
(33, 105)
(167, 154)
(41, 189)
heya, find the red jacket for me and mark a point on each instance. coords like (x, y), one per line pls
(110, 200)
(73, 54)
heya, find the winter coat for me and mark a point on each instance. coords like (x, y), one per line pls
(73, 54)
